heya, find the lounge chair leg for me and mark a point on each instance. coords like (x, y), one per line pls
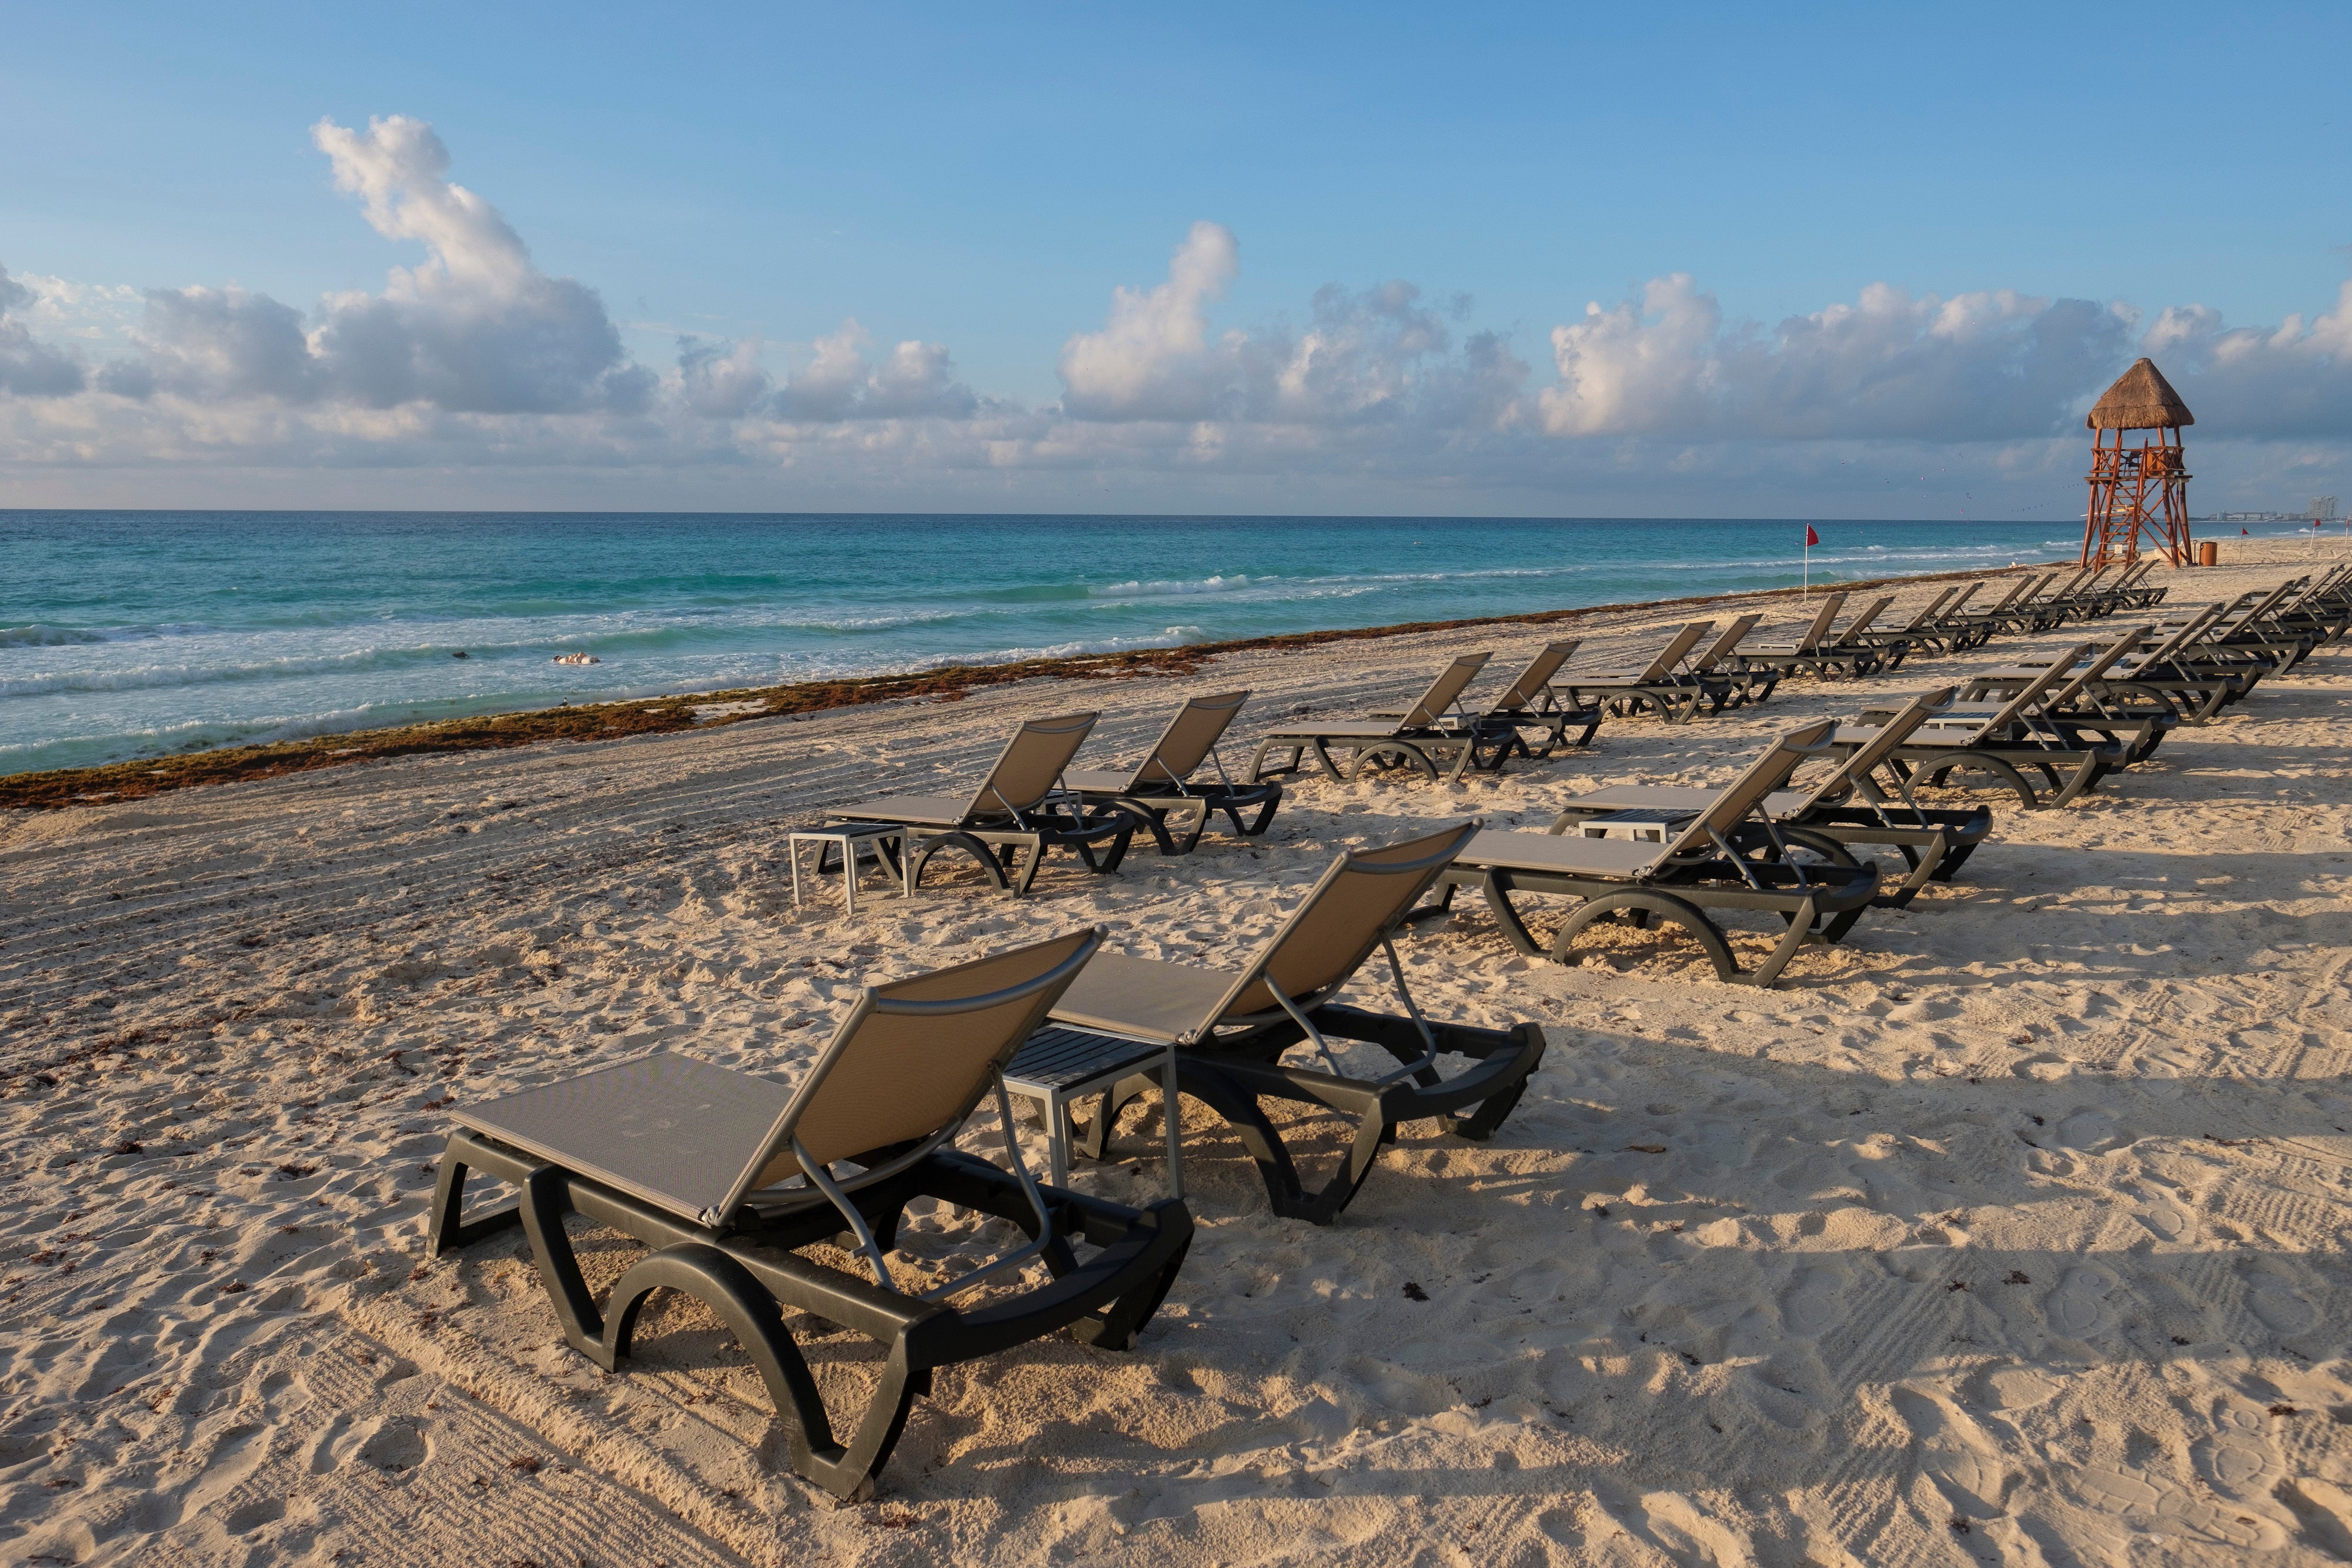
(451, 1229)
(752, 1316)
(1479, 1125)
(1514, 930)
(1284, 1193)
(544, 1203)
(1800, 927)
(1037, 857)
(969, 845)
(1688, 916)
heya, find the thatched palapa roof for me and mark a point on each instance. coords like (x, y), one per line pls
(2141, 399)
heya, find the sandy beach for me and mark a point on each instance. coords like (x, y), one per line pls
(2010, 1230)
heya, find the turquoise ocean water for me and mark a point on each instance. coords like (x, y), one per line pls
(127, 634)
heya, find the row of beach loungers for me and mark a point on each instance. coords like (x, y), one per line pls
(729, 1178)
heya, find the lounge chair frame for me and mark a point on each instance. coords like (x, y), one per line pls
(1663, 686)
(1731, 856)
(741, 1255)
(1233, 1061)
(1437, 738)
(1160, 793)
(1019, 813)
(1848, 808)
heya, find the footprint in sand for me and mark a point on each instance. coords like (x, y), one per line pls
(2078, 1306)
(2018, 1389)
(2232, 1464)
(2279, 1305)
(2092, 1132)
(1814, 1305)
(2166, 1222)
(1688, 1533)
(1954, 1453)
(2153, 1503)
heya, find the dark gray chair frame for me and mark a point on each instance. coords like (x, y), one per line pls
(1753, 867)
(1175, 808)
(741, 1254)
(1234, 1066)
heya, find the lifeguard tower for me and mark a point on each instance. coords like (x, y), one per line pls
(2142, 488)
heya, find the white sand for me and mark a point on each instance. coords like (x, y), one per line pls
(2009, 1230)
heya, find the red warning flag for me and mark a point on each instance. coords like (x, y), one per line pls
(1812, 539)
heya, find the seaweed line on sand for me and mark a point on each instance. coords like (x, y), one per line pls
(665, 715)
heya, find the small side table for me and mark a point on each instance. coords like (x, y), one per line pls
(1642, 824)
(850, 838)
(1059, 1065)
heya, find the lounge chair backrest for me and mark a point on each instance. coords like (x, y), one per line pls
(1188, 738)
(1344, 918)
(1032, 762)
(1917, 710)
(2060, 593)
(1926, 617)
(2269, 604)
(2023, 701)
(1831, 605)
(913, 1057)
(1764, 775)
(1445, 689)
(2106, 659)
(2004, 601)
(1673, 654)
(1861, 623)
(2182, 635)
(1525, 692)
(1722, 647)
(1952, 610)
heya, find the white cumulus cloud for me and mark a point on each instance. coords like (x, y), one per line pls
(28, 367)
(2289, 382)
(1377, 356)
(1991, 365)
(475, 328)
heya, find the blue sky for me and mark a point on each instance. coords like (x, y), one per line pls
(979, 184)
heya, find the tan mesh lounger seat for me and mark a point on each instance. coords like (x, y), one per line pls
(1021, 806)
(1235, 1027)
(2005, 744)
(1729, 855)
(1845, 807)
(728, 1178)
(1160, 791)
(1530, 703)
(1662, 686)
(1432, 737)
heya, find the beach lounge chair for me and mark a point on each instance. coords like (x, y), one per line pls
(1662, 686)
(2005, 742)
(1158, 792)
(1972, 628)
(1723, 661)
(2072, 706)
(1896, 646)
(1435, 736)
(728, 1177)
(1851, 652)
(1844, 807)
(1021, 807)
(1235, 1026)
(2157, 674)
(1791, 657)
(1729, 855)
(1530, 703)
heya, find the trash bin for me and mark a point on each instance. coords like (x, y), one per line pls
(2209, 553)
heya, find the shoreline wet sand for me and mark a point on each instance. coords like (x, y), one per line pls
(2020, 1210)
